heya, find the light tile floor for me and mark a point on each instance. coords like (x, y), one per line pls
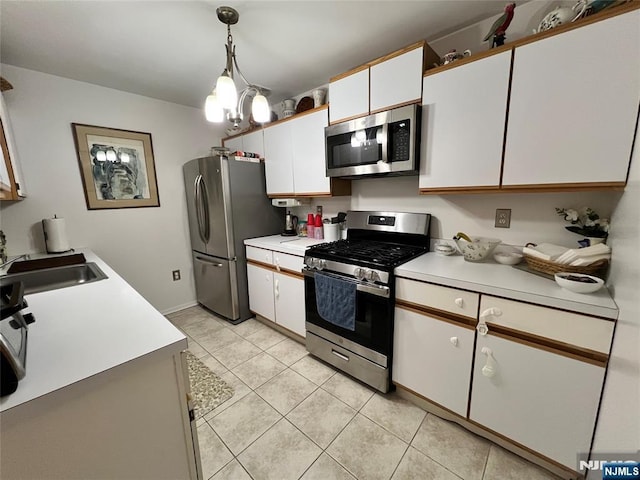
(293, 417)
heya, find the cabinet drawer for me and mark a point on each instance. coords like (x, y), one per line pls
(570, 328)
(288, 262)
(260, 255)
(437, 297)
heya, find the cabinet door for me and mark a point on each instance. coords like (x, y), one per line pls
(289, 302)
(397, 80)
(11, 184)
(463, 130)
(309, 172)
(349, 96)
(260, 283)
(253, 142)
(234, 144)
(278, 159)
(433, 358)
(542, 400)
(574, 104)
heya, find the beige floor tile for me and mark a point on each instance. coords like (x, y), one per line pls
(232, 471)
(288, 351)
(195, 348)
(238, 352)
(240, 390)
(282, 453)
(367, 450)
(218, 339)
(286, 390)
(349, 391)
(248, 327)
(457, 449)
(397, 415)
(416, 466)
(313, 370)
(321, 417)
(242, 423)
(258, 370)
(266, 338)
(214, 365)
(213, 453)
(202, 327)
(504, 465)
(326, 468)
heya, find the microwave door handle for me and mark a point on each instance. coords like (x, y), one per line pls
(385, 143)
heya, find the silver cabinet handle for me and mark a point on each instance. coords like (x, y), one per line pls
(340, 355)
(210, 262)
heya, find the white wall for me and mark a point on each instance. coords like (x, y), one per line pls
(142, 244)
(618, 427)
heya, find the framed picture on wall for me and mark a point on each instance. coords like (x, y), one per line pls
(117, 167)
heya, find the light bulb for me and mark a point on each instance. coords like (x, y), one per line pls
(226, 92)
(124, 157)
(111, 156)
(212, 109)
(260, 109)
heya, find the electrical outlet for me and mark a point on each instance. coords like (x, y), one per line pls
(503, 217)
(176, 275)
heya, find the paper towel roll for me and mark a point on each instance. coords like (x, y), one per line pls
(55, 235)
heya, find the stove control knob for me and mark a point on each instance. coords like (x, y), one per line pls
(359, 273)
(321, 264)
(372, 276)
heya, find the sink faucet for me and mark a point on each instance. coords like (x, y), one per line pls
(24, 255)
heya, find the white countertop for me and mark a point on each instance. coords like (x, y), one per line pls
(280, 243)
(87, 329)
(505, 281)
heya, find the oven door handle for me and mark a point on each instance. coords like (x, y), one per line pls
(371, 288)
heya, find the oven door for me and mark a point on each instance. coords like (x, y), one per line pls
(373, 322)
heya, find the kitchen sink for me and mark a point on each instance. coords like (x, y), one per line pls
(57, 277)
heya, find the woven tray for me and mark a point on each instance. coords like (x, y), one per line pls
(598, 269)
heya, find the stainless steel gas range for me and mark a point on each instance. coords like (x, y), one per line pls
(350, 292)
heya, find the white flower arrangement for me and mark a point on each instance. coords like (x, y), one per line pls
(585, 222)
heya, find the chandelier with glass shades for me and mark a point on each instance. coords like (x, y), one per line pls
(223, 101)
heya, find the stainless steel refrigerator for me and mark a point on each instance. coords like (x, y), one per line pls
(227, 203)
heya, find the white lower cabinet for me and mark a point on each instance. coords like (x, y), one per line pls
(289, 302)
(545, 401)
(276, 288)
(433, 358)
(260, 282)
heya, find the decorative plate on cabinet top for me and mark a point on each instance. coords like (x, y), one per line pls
(305, 103)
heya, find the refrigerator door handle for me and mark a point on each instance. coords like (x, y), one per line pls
(202, 211)
(210, 262)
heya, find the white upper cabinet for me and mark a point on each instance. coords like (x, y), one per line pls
(382, 84)
(309, 173)
(279, 159)
(253, 142)
(349, 95)
(234, 144)
(463, 121)
(397, 80)
(574, 105)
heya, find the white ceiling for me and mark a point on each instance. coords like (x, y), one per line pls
(174, 50)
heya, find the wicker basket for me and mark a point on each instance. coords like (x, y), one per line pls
(598, 269)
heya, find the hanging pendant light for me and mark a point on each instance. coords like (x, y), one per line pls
(223, 101)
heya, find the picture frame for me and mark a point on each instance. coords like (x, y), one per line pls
(117, 167)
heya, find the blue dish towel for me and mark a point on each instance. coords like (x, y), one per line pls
(336, 300)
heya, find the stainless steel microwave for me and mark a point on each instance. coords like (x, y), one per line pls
(386, 143)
